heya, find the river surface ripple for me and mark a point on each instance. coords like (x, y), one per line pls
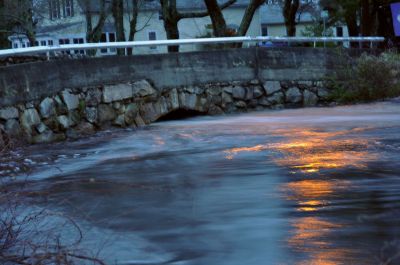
(308, 186)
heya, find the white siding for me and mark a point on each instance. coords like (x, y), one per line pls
(188, 28)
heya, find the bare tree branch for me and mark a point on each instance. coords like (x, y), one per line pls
(205, 13)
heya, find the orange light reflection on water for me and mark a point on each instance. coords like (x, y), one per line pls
(311, 151)
(311, 235)
(311, 195)
(231, 153)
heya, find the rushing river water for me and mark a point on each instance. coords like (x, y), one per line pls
(309, 186)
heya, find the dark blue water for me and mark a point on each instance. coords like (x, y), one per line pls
(309, 186)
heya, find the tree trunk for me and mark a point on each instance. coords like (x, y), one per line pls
(133, 23)
(171, 27)
(217, 18)
(94, 34)
(350, 17)
(31, 37)
(118, 14)
(289, 13)
(171, 19)
(385, 25)
(89, 26)
(4, 44)
(248, 16)
(365, 21)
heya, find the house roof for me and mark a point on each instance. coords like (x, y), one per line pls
(272, 14)
(155, 4)
(58, 27)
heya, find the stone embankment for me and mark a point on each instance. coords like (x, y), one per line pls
(72, 113)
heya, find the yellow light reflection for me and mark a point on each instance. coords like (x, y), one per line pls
(308, 228)
(310, 235)
(311, 151)
(310, 206)
(231, 153)
(311, 195)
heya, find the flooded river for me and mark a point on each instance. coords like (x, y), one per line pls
(309, 186)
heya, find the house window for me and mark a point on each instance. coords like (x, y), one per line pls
(63, 41)
(78, 41)
(43, 43)
(112, 38)
(339, 31)
(15, 45)
(152, 36)
(54, 8)
(264, 30)
(50, 42)
(36, 43)
(108, 37)
(68, 8)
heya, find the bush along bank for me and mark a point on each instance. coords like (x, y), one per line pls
(367, 78)
(73, 113)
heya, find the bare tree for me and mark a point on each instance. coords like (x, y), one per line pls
(172, 16)
(248, 16)
(131, 8)
(344, 10)
(17, 16)
(93, 33)
(292, 10)
(134, 19)
(3, 27)
(218, 20)
(289, 11)
(136, 6)
(118, 14)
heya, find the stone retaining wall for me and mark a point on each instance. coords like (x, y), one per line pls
(23, 83)
(73, 113)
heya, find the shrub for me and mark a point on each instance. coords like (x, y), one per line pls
(367, 78)
(33, 235)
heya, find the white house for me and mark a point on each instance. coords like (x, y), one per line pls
(273, 22)
(63, 22)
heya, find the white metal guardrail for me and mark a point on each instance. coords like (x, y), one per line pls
(132, 44)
